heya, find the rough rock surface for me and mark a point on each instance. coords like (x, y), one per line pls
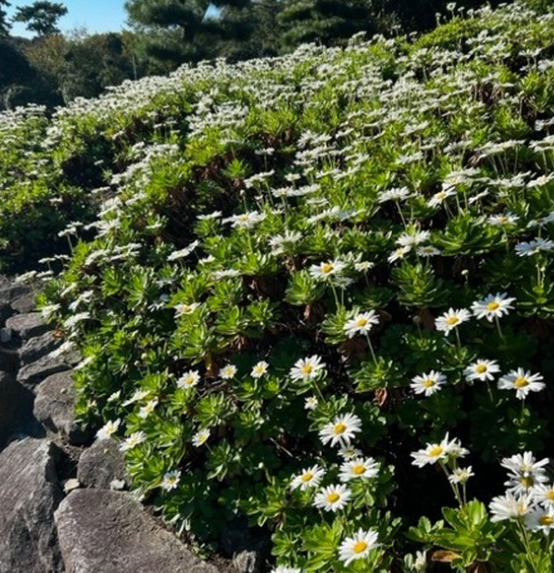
(38, 371)
(29, 495)
(15, 402)
(54, 407)
(38, 347)
(103, 531)
(101, 464)
(27, 325)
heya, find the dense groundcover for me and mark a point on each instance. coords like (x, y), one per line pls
(318, 292)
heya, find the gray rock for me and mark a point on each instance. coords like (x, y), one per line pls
(55, 407)
(39, 370)
(10, 290)
(103, 531)
(24, 303)
(101, 464)
(38, 347)
(29, 495)
(5, 335)
(27, 325)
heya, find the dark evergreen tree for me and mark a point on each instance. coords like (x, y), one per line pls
(41, 17)
(328, 22)
(4, 24)
(176, 31)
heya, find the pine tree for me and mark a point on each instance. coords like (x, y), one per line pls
(328, 22)
(4, 24)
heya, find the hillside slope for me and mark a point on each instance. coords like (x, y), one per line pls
(310, 274)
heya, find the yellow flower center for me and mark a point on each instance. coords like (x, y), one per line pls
(326, 268)
(451, 321)
(502, 219)
(550, 494)
(306, 369)
(492, 306)
(307, 477)
(333, 497)
(339, 428)
(359, 547)
(480, 368)
(436, 451)
(546, 520)
(358, 469)
(527, 482)
(521, 382)
(428, 382)
(361, 322)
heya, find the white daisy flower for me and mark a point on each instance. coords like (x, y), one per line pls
(482, 370)
(502, 220)
(395, 194)
(307, 368)
(525, 464)
(182, 309)
(137, 396)
(535, 246)
(133, 440)
(429, 383)
(171, 480)
(332, 498)
(188, 379)
(363, 266)
(413, 239)
(341, 430)
(245, 220)
(108, 429)
(148, 408)
(434, 452)
(307, 478)
(427, 251)
(310, 403)
(228, 372)
(349, 452)
(361, 324)
(358, 546)
(461, 475)
(540, 519)
(399, 253)
(522, 382)
(544, 494)
(492, 306)
(452, 319)
(200, 438)
(326, 270)
(438, 198)
(259, 369)
(358, 468)
(509, 506)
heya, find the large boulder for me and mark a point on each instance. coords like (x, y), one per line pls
(26, 326)
(102, 464)
(54, 407)
(102, 531)
(29, 495)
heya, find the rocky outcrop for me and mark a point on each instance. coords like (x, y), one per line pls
(29, 495)
(109, 532)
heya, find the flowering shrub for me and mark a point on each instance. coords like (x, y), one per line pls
(323, 283)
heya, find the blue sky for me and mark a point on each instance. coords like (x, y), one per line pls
(94, 15)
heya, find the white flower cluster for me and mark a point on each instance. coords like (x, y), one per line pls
(529, 495)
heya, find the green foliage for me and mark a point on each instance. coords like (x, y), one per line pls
(313, 287)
